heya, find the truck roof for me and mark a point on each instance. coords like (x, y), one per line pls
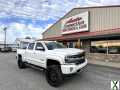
(43, 41)
(46, 41)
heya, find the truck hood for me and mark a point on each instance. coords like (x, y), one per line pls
(65, 51)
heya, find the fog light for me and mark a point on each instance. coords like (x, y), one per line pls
(71, 68)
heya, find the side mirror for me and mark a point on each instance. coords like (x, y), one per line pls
(40, 48)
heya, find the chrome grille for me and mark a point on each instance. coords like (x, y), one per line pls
(77, 55)
(77, 59)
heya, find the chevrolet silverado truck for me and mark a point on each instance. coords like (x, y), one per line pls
(54, 58)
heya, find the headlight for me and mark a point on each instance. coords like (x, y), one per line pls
(67, 59)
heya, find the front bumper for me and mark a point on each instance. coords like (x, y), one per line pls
(72, 68)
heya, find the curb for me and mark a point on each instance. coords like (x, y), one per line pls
(108, 64)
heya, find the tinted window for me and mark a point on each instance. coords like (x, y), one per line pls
(54, 45)
(31, 46)
(38, 45)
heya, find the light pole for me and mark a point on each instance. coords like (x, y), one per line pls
(5, 29)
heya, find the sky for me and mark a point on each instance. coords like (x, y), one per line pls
(32, 17)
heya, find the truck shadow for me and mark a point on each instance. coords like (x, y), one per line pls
(73, 77)
(68, 79)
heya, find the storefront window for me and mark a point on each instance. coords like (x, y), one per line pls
(71, 44)
(114, 47)
(109, 46)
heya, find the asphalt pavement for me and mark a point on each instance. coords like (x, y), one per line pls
(91, 78)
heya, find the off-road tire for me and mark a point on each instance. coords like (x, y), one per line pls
(54, 75)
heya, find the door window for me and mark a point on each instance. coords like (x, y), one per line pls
(39, 46)
(31, 46)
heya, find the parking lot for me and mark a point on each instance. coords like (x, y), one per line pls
(92, 78)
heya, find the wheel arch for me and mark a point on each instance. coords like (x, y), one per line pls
(52, 62)
(19, 56)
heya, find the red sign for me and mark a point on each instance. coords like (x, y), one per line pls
(77, 23)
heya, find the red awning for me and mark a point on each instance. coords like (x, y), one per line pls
(85, 34)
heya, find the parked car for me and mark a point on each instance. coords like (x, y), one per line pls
(6, 49)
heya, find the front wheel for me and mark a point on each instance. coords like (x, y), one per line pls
(54, 75)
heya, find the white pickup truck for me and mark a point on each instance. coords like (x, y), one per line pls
(54, 58)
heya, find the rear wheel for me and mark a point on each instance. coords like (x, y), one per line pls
(21, 64)
(54, 75)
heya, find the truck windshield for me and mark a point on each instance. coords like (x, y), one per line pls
(54, 45)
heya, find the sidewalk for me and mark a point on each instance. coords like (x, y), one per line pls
(109, 64)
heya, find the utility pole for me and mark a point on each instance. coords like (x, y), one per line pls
(5, 29)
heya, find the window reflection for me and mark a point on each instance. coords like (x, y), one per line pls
(109, 46)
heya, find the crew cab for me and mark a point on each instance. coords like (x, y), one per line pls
(55, 58)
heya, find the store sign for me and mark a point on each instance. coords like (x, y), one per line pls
(77, 23)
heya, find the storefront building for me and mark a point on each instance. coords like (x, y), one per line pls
(95, 29)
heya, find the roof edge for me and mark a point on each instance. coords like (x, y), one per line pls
(80, 8)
